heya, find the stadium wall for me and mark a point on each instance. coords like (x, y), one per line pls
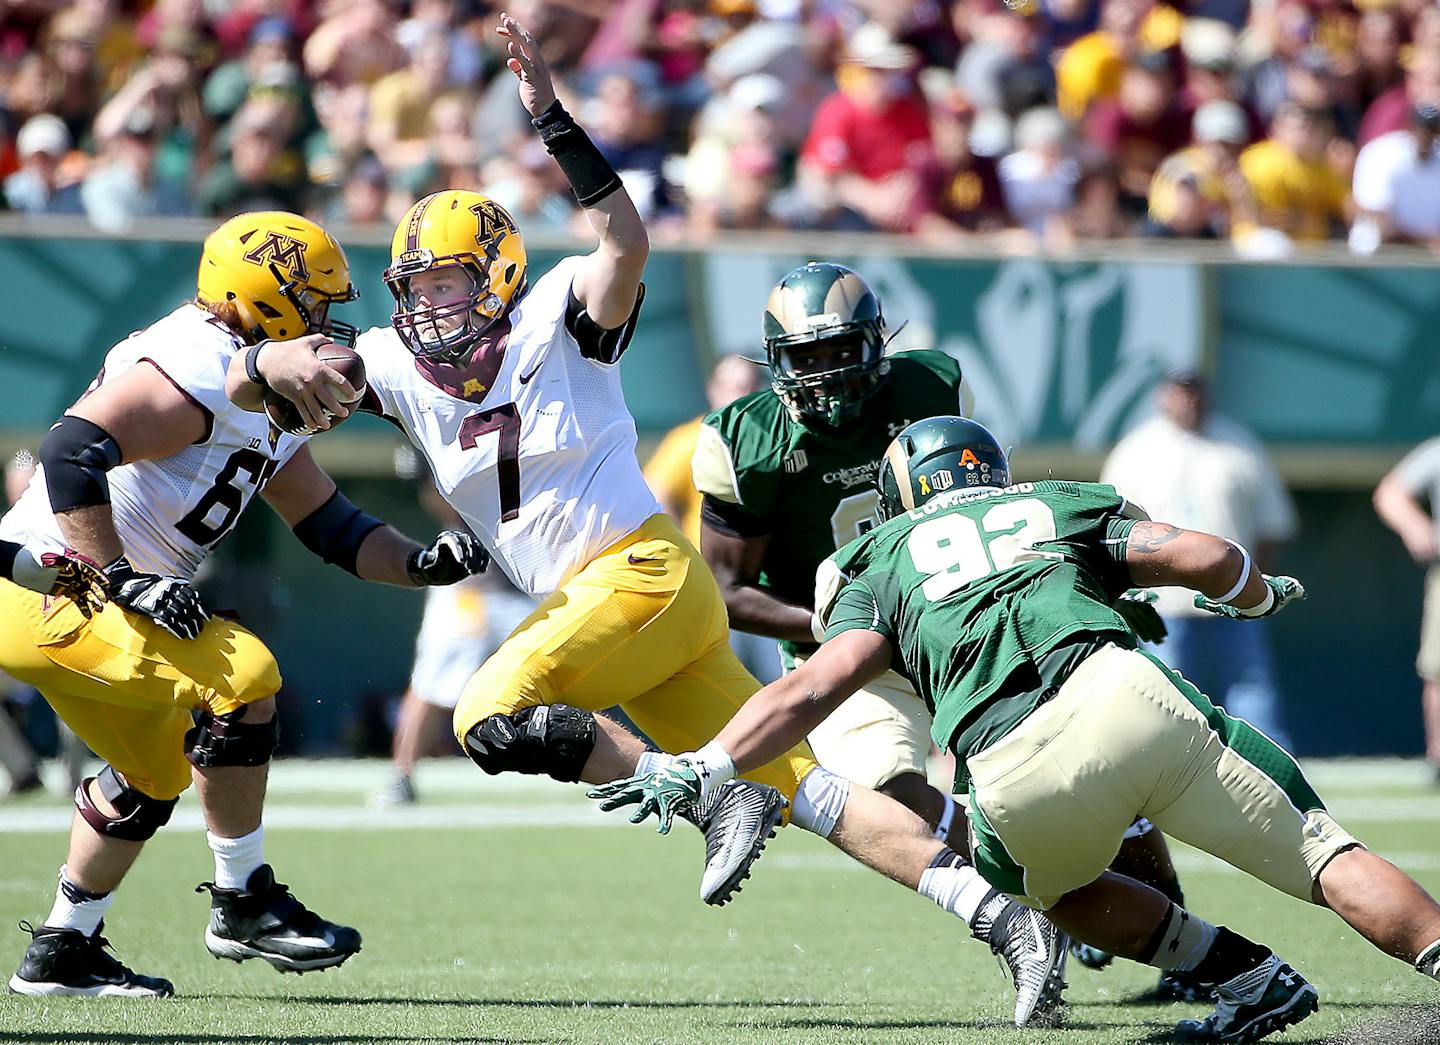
(1331, 364)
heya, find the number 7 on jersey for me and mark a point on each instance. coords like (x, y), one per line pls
(504, 419)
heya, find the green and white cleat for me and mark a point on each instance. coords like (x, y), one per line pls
(1268, 998)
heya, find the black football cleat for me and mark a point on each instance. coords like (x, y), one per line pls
(1268, 998)
(264, 921)
(66, 962)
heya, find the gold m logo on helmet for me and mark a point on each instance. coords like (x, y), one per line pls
(284, 252)
(490, 221)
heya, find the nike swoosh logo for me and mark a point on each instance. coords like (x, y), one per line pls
(525, 378)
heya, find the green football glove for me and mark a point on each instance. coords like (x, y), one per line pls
(1137, 606)
(1286, 589)
(674, 789)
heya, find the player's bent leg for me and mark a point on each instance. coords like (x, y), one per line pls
(880, 738)
(1384, 905)
(893, 840)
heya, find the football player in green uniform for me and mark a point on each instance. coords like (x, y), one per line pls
(787, 476)
(998, 602)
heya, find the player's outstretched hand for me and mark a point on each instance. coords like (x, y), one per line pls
(67, 575)
(450, 557)
(293, 369)
(528, 65)
(1137, 606)
(170, 602)
(1284, 589)
(668, 791)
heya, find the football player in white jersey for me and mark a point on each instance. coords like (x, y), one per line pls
(147, 473)
(511, 391)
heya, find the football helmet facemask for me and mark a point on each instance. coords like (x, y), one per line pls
(281, 272)
(934, 455)
(824, 341)
(475, 237)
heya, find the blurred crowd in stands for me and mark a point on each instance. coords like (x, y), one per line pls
(1272, 124)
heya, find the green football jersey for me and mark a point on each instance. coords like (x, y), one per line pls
(811, 490)
(988, 597)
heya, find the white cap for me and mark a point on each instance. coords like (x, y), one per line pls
(873, 47)
(757, 91)
(1221, 121)
(1039, 127)
(1207, 42)
(43, 133)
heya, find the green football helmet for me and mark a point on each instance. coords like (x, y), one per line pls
(824, 341)
(935, 455)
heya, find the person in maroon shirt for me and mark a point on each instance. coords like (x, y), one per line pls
(964, 189)
(1391, 111)
(871, 139)
(1142, 125)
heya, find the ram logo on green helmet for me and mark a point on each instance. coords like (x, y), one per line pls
(824, 340)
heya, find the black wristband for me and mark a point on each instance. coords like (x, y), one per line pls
(590, 174)
(252, 364)
(412, 567)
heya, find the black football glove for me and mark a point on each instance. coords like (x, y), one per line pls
(1137, 606)
(451, 557)
(169, 601)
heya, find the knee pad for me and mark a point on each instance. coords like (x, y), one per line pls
(555, 739)
(223, 740)
(140, 816)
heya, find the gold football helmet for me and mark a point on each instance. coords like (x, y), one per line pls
(473, 234)
(281, 272)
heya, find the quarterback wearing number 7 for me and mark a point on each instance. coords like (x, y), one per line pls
(511, 389)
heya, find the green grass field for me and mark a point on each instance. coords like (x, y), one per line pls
(512, 911)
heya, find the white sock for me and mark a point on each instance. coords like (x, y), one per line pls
(652, 761)
(955, 885)
(947, 819)
(820, 801)
(1181, 941)
(75, 908)
(237, 858)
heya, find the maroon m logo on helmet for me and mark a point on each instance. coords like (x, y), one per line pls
(284, 252)
(491, 221)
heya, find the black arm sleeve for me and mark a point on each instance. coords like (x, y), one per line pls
(8, 551)
(590, 174)
(335, 531)
(597, 343)
(730, 519)
(76, 454)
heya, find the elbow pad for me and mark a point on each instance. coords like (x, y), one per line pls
(76, 454)
(335, 531)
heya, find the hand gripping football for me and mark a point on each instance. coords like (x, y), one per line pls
(346, 362)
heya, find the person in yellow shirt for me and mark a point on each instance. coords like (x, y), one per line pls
(668, 470)
(1090, 68)
(1210, 168)
(1295, 188)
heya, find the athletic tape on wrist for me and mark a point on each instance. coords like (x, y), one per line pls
(716, 765)
(1244, 575)
(1266, 604)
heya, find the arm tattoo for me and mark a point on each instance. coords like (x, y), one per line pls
(1147, 538)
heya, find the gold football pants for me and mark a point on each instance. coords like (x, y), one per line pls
(643, 625)
(127, 686)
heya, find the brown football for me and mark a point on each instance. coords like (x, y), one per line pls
(344, 361)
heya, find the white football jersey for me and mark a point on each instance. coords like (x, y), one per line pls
(538, 455)
(172, 511)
